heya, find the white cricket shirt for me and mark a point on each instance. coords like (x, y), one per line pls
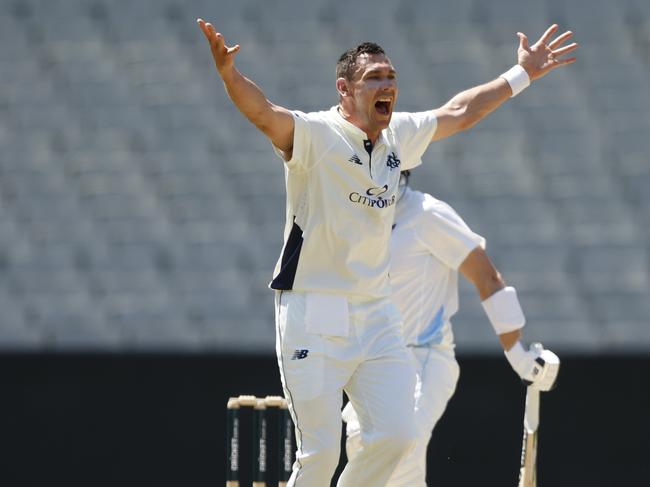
(341, 194)
(429, 242)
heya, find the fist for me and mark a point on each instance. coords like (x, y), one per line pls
(537, 367)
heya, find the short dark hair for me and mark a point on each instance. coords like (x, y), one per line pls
(347, 63)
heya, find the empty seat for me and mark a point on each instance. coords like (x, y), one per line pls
(16, 334)
(613, 268)
(149, 323)
(24, 283)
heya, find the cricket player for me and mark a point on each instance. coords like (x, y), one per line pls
(430, 245)
(337, 328)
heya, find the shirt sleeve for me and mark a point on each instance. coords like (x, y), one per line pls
(413, 132)
(302, 137)
(445, 234)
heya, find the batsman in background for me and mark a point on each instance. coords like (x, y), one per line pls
(336, 327)
(430, 245)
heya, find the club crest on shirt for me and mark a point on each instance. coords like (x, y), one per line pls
(393, 162)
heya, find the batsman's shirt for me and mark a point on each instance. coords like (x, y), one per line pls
(341, 194)
(429, 242)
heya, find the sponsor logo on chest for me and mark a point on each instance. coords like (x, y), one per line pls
(374, 198)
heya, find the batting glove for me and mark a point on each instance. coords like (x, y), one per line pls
(536, 366)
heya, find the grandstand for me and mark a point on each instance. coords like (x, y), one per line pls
(140, 212)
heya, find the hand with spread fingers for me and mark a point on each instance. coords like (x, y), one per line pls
(224, 56)
(545, 54)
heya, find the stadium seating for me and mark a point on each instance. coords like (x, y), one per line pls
(139, 211)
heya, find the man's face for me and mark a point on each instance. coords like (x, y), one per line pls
(373, 92)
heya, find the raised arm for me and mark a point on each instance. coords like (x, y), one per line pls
(470, 106)
(274, 121)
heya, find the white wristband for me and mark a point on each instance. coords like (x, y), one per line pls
(504, 311)
(517, 78)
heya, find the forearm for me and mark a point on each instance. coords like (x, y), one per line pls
(476, 103)
(480, 271)
(509, 339)
(274, 121)
(247, 97)
(487, 283)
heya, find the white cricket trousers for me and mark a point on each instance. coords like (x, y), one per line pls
(375, 369)
(437, 375)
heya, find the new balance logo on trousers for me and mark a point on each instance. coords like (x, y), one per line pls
(299, 354)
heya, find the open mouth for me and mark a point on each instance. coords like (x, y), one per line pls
(383, 107)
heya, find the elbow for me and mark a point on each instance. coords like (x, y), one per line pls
(490, 283)
(463, 117)
(264, 118)
(260, 119)
(487, 282)
(497, 281)
(468, 118)
(466, 112)
(263, 125)
(466, 125)
(470, 121)
(259, 114)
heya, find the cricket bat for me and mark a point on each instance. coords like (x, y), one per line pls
(528, 470)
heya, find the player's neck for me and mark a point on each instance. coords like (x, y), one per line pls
(349, 116)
